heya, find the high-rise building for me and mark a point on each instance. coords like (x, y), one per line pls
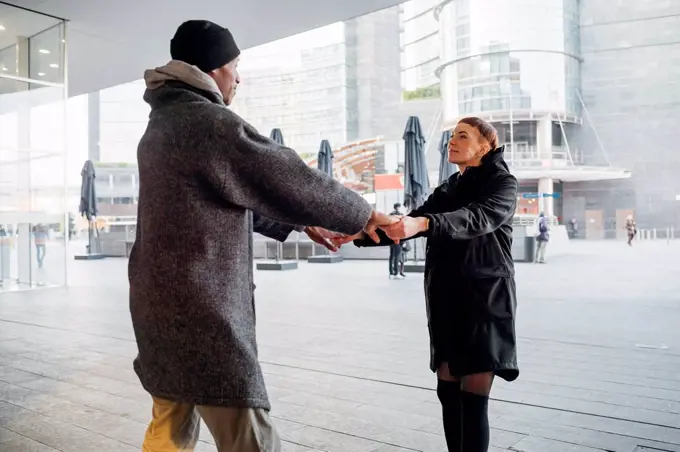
(339, 82)
(420, 49)
(561, 80)
(630, 73)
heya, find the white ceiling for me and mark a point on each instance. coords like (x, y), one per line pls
(114, 41)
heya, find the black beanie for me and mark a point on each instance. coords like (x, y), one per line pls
(203, 44)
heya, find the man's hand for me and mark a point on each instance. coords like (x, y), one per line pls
(340, 239)
(322, 237)
(405, 228)
(378, 220)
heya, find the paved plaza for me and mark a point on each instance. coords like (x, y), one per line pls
(345, 355)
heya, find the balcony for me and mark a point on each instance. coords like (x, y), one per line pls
(566, 164)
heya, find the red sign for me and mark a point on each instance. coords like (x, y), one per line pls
(389, 182)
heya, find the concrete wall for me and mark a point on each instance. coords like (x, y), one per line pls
(630, 74)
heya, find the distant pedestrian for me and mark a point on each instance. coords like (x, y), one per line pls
(631, 227)
(40, 239)
(542, 238)
(405, 249)
(573, 228)
(396, 260)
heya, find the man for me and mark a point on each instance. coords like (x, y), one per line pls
(542, 238)
(40, 238)
(207, 180)
(573, 228)
(396, 261)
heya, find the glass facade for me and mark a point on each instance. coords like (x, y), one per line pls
(420, 46)
(340, 82)
(509, 60)
(298, 84)
(33, 218)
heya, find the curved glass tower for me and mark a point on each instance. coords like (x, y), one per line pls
(517, 64)
(510, 56)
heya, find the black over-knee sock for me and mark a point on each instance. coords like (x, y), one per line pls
(449, 395)
(475, 422)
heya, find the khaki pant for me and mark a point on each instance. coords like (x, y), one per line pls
(540, 251)
(175, 427)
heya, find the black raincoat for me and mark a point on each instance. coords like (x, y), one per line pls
(469, 271)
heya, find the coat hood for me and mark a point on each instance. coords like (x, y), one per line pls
(496, 157)
(178, 72)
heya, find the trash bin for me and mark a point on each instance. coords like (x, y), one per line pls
(529, 248)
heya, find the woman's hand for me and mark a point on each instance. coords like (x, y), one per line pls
(406, 228)
(340, 239)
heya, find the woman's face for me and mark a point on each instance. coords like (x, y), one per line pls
(467, 145)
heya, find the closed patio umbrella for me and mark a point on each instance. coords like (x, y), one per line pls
(446, 169)
(416, 179)
(416, 182)
(277, 136)
(88, 205)
(324, 160)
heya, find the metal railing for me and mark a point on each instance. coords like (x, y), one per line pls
(529, 220)
(667, 233)
(522, 155)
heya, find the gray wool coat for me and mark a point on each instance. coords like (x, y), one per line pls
(207, 179)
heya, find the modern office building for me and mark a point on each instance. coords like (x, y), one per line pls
(420, 49)
(117, 188)
(630, 73)
(522, 75)
(339, 82)
(560, 80)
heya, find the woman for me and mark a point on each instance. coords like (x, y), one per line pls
(469, 280)
(631, 227)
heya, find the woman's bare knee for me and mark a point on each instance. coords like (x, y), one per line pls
(479, 384)
(443, 373)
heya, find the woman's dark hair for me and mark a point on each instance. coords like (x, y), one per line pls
(485, 129)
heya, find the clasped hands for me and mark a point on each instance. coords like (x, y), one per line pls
(396, 227)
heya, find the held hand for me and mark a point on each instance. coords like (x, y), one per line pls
(340, 239)
(323, 237)
(406, 228)
(378, 220)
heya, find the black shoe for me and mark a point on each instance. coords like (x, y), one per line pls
(402, 275)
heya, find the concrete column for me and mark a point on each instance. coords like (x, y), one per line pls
(24, 191)
(544, 138)
(546, 205)
(93, 127)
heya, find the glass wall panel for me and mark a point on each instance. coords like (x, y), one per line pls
(509, 60)
(33, 220)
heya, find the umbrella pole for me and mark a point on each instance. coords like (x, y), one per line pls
(89, 237)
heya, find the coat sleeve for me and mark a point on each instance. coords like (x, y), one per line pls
(255, 173)
(273, 229)
(478, 218)
(429, 206)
